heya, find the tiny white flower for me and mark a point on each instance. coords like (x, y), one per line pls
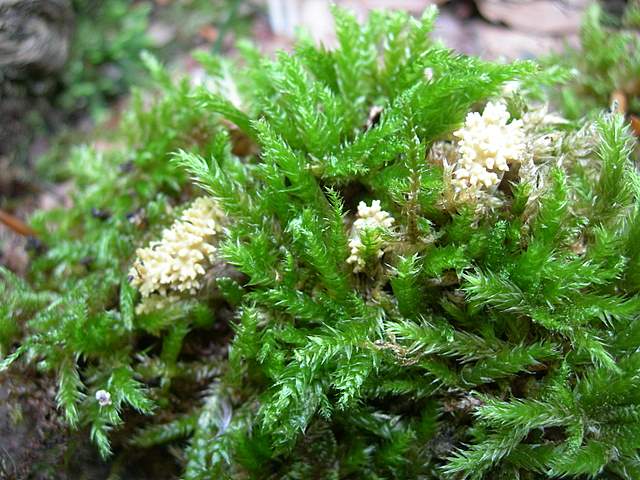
(103, 397)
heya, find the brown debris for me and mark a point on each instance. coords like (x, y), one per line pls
(635, 125)
(17, 225)
(619, 99)
(209, 33)
(465, 404)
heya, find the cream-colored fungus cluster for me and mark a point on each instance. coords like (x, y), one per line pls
(372, 219)
(488, 144)
(176, 263)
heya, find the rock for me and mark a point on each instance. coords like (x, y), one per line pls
(34, 46)
(34, 35)
(494, 42)
(536, 16)
(314, 16)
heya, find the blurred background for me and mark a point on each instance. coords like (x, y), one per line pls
(66, 63)
(67, 66)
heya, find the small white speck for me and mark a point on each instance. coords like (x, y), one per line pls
(428, 73)
(103, 397)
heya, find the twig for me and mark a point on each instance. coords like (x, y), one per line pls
(16, 224)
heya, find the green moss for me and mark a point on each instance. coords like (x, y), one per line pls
(496, 342)
(604, 68)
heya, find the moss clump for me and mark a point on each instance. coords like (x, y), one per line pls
(481, 336)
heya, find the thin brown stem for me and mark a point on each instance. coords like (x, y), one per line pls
(16, 224)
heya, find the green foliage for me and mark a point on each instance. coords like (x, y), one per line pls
(80, 323)
(110, 35)
(104, 57)
(474, 343)
(605, 68)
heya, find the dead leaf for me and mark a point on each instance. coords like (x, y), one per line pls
(619, 102)
(209, 33)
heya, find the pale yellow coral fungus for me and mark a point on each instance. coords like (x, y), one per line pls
(176, 263)
(488, 144)
(371, 218)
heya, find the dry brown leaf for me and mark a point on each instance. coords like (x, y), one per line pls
(620, 100)
(209, 33)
